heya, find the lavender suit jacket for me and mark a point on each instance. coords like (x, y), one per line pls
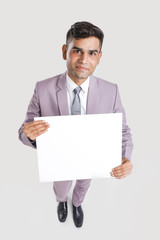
(50, 99)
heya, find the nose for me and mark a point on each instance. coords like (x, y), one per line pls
(83, 58)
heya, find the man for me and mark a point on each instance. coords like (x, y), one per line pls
(76, 91)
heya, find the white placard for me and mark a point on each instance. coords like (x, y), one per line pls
(79, 146)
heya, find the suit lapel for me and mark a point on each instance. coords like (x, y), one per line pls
(62, 95)
(92, 100)
(93, 96)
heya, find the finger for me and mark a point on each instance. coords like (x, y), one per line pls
(111, 173)
(124, 172)
(119, 175)
(36, 134)
(33, 123)
(36, 130)
(38, 126)
(122, 176)
(40, 132)
(123, 165)
(117, 168)
(119, 171)
(122, 169)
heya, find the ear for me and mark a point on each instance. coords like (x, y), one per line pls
(100, 55)
(64, 51)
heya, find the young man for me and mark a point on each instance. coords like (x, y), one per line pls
(76, 91)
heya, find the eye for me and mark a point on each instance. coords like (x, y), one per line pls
(92, 53)
(77, 51)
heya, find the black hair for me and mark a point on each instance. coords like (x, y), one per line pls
(84, 30)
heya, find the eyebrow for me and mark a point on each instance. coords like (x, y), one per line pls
(77, 48)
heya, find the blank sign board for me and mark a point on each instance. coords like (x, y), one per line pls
(79, 146)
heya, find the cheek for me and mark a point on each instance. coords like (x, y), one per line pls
(94, 63)
(72, 59)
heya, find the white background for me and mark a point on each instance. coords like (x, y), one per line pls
(32, 33)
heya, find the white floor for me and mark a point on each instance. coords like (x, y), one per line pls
(113, 209)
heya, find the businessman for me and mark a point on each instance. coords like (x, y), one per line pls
(77, 91)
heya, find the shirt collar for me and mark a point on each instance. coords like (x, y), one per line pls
(71, 85)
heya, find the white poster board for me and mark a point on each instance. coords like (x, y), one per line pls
(79, 146)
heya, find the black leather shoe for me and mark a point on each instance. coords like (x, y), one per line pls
(78, 216)
(62, 211)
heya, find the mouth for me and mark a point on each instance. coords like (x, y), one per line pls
(83, 69)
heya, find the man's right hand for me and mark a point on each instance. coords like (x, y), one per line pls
(35, 129)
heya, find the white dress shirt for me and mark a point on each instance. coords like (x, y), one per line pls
(83, 93)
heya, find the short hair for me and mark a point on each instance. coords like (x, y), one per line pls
(84, 30)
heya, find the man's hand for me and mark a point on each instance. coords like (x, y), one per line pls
(123, 170)
(35, 129)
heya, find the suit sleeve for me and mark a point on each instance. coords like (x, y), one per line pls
(127, 145)
(33, 111)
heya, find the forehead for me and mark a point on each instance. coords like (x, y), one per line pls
(85, 43)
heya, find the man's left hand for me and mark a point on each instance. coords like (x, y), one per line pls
(123, 170)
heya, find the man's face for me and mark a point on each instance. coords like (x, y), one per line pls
(82, 56)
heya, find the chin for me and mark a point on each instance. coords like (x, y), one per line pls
(82, 75)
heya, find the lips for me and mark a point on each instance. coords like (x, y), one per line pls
(80, 68)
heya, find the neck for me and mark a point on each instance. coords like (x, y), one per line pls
(77, 81)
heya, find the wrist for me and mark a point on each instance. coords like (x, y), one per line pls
(32, 141)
